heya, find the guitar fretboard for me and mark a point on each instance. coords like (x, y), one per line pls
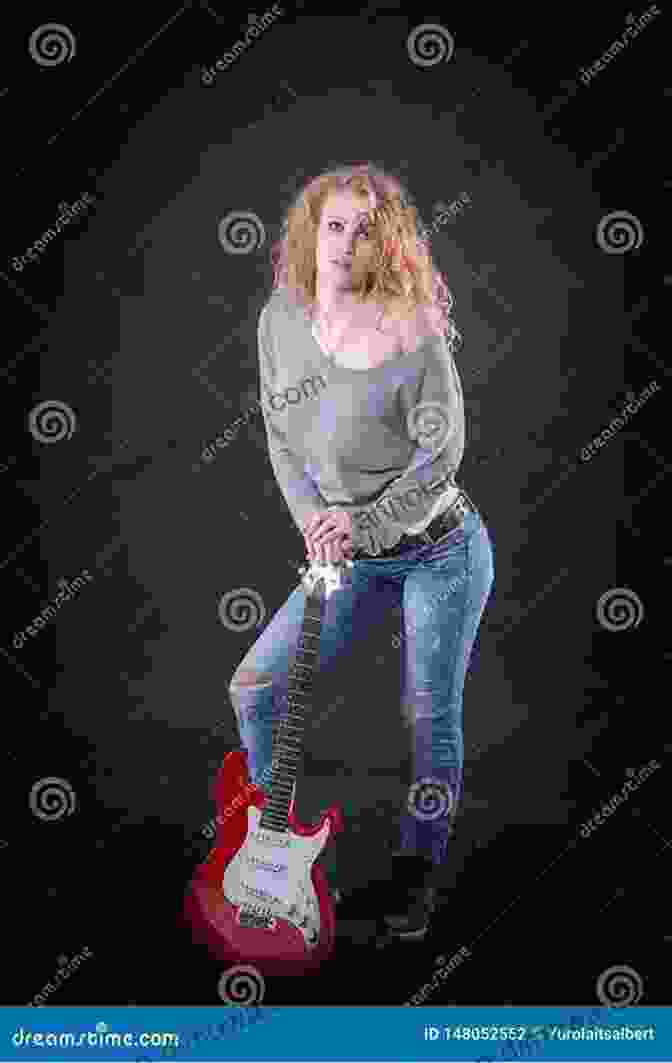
(288, 744)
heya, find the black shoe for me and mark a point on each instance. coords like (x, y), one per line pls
(408, 918)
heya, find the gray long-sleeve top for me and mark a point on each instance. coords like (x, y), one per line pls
(358, 439)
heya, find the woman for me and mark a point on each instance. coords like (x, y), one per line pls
(366, 463)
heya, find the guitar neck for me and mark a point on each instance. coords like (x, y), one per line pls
(288, 744)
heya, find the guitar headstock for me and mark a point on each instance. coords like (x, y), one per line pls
(332, 574)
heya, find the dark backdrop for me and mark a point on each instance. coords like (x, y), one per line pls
(138, 328)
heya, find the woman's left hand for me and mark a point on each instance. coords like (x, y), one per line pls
(329, 537)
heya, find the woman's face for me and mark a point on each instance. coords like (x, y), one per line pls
(342, 238)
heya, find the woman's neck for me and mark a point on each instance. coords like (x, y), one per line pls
(332, 302)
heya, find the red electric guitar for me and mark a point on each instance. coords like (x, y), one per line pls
(260, 898)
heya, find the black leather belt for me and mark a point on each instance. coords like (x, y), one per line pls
(442, 524)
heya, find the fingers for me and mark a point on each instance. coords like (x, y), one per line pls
(324, 537)
(332, 552)
(328, 537)
(313, 522)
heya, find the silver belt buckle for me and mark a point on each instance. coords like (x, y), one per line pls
(460, 510)
(459, 506)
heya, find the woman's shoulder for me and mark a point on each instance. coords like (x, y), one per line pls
(417, 327)
(282, 303)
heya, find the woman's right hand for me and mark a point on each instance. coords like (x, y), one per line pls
(338, 526)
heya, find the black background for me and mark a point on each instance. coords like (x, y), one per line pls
(137, 319)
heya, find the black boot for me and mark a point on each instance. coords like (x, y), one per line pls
(408, 915)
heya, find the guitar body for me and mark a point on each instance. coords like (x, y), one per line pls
(260, 898)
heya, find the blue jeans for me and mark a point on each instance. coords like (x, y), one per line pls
(443, 590)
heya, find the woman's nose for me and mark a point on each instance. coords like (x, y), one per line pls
(349, 248)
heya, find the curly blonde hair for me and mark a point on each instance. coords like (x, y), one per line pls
(393, 266)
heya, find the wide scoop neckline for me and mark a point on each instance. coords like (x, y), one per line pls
(329, 358)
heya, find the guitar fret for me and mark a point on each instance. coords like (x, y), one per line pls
(289, 737)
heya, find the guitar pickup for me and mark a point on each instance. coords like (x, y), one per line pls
(262, 895)
(255, 920)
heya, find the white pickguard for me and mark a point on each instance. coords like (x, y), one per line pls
(273, 871)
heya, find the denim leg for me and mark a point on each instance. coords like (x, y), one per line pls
(444, 600)
(258, 710)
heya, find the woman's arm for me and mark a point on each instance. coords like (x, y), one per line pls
(299, 491)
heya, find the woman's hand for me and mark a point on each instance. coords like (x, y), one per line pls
(329, 536)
